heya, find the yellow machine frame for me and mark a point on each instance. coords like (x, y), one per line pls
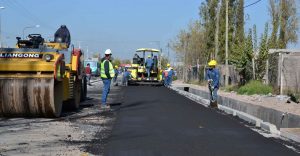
(138, 71)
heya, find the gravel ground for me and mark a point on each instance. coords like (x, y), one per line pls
(75, 133)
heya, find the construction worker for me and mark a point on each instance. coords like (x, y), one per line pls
(107, 73)
(116, 74)
(170, 76)
(148, 64)
(213, 76)
(88, 73)
(155, 63)
(126, 77)
(166, 72)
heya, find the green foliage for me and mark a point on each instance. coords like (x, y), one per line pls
(126, 61)
(230, 88)
(255, 87)
(208, 12)
(242, 55)
(239, 32)
(288, 23)
(116, 62)
(285, 23)
(164, 61)
(199, 41)
(263, 54)
(189, 44)
(274, 13)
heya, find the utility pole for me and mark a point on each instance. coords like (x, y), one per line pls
(79, 44)
(226, 48)
(185, 56)
(185, 63)
(87, 51)
(168, 52)
(217, 33)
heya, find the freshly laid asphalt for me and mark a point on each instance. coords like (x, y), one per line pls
(156, 121)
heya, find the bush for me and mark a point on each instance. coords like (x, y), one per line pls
(255, 87)
(230, 88)
(175, 78)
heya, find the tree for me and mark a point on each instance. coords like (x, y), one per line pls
(242, 57)
(208, 10)
(263, 54)
(190, 45)
(164, 61)
(274, 12)
(255, 51)
(239, 25)
(285, 23)
(126, 61)
(288, 23)
(116, 62)
(232, 13)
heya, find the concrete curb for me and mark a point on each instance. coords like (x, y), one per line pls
(193, 97)
(242, 115)
(251, 119)
(292, 133)
(227, 110)
(269, 127)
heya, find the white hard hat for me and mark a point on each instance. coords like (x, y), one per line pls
(107, 52)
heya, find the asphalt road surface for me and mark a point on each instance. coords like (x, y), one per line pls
(155, 121)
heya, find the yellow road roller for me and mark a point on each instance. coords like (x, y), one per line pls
(37, 77)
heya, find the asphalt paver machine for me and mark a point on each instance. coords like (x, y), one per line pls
(138, 68)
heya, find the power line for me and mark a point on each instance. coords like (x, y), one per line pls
(252, 4)
(26, 13)
(46, 25)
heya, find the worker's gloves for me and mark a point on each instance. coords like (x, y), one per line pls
(209, 81)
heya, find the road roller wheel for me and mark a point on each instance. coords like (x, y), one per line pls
(83, 89)
(75, 93)
(30, 97)
(58, 98)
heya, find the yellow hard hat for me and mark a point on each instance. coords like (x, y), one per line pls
(168, 65)
(116, 66)
(212, 63)
(149, 56)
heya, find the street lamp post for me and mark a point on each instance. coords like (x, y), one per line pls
(1, 8)
(36, 26)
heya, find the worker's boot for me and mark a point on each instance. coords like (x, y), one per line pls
(213, 104)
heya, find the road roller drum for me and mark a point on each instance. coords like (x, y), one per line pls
(30, 97)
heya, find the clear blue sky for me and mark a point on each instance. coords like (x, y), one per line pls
(122, 25)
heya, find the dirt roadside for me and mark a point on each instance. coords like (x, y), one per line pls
(75, 133)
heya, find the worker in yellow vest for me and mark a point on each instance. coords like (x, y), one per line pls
(107, 73)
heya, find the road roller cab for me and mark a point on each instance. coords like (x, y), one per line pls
(37, 78)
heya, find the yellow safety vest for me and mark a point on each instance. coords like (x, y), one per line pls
(111, 70)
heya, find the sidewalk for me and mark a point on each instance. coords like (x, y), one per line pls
(260, 100)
